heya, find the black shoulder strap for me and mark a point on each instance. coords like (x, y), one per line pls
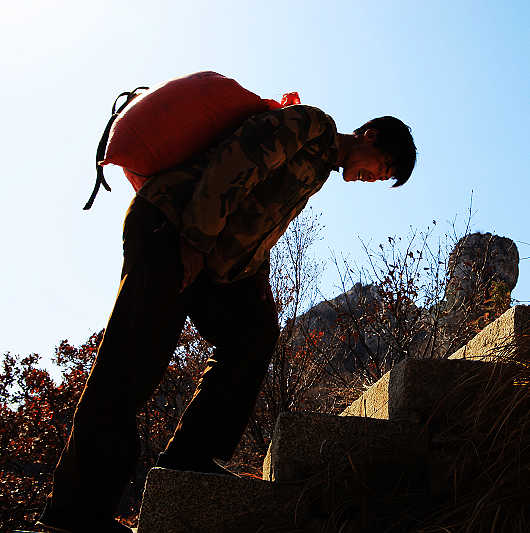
(102, 146)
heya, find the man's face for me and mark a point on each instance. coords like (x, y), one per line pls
(365, 162)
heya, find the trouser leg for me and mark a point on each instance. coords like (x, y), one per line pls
(139, 340)
(240, 319)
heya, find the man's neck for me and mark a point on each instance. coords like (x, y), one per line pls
(346, 142)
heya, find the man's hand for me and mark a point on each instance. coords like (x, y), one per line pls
(192, 263)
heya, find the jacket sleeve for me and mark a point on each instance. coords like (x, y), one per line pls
(262, 144)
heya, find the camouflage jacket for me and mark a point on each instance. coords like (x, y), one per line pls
(236, 200)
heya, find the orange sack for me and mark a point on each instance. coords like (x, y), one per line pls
(181, 117)
(169, 123)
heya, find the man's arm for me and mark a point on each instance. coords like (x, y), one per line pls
(262, 144)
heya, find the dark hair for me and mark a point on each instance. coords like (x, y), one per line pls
(394, 140)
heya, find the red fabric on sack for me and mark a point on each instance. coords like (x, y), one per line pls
(170, 123)
(167, 124)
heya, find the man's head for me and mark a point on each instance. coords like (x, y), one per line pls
(382, 148)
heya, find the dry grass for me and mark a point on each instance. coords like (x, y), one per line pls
(477, 479)
(490, 439)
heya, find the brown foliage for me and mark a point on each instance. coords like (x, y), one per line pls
(35, 421)
(36, 416)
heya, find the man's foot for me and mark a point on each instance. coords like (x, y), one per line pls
(52, 521)
(208, 466)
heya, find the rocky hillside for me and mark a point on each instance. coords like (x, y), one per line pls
(362, 325)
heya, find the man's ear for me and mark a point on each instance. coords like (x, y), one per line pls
(370, 135)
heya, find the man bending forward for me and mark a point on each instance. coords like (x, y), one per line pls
(196, 243)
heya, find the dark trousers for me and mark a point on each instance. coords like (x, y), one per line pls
(239, 319)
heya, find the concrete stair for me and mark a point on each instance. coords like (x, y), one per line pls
(509, 335)
(413, 388)
(191, 502)
(304, 444)
(383, 450)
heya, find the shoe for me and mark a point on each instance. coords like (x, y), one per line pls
(208, 466)
(52, 521)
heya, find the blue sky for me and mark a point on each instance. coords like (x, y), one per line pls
(455, 71)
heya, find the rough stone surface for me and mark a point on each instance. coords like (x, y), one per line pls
(413, 388)
(190, 502)
(483, 270)
(307, 443)
(509, 335)
(477, 261)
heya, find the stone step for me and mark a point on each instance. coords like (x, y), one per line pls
(413, 389)
(306, 443)
(509, 335)
(191, 502)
